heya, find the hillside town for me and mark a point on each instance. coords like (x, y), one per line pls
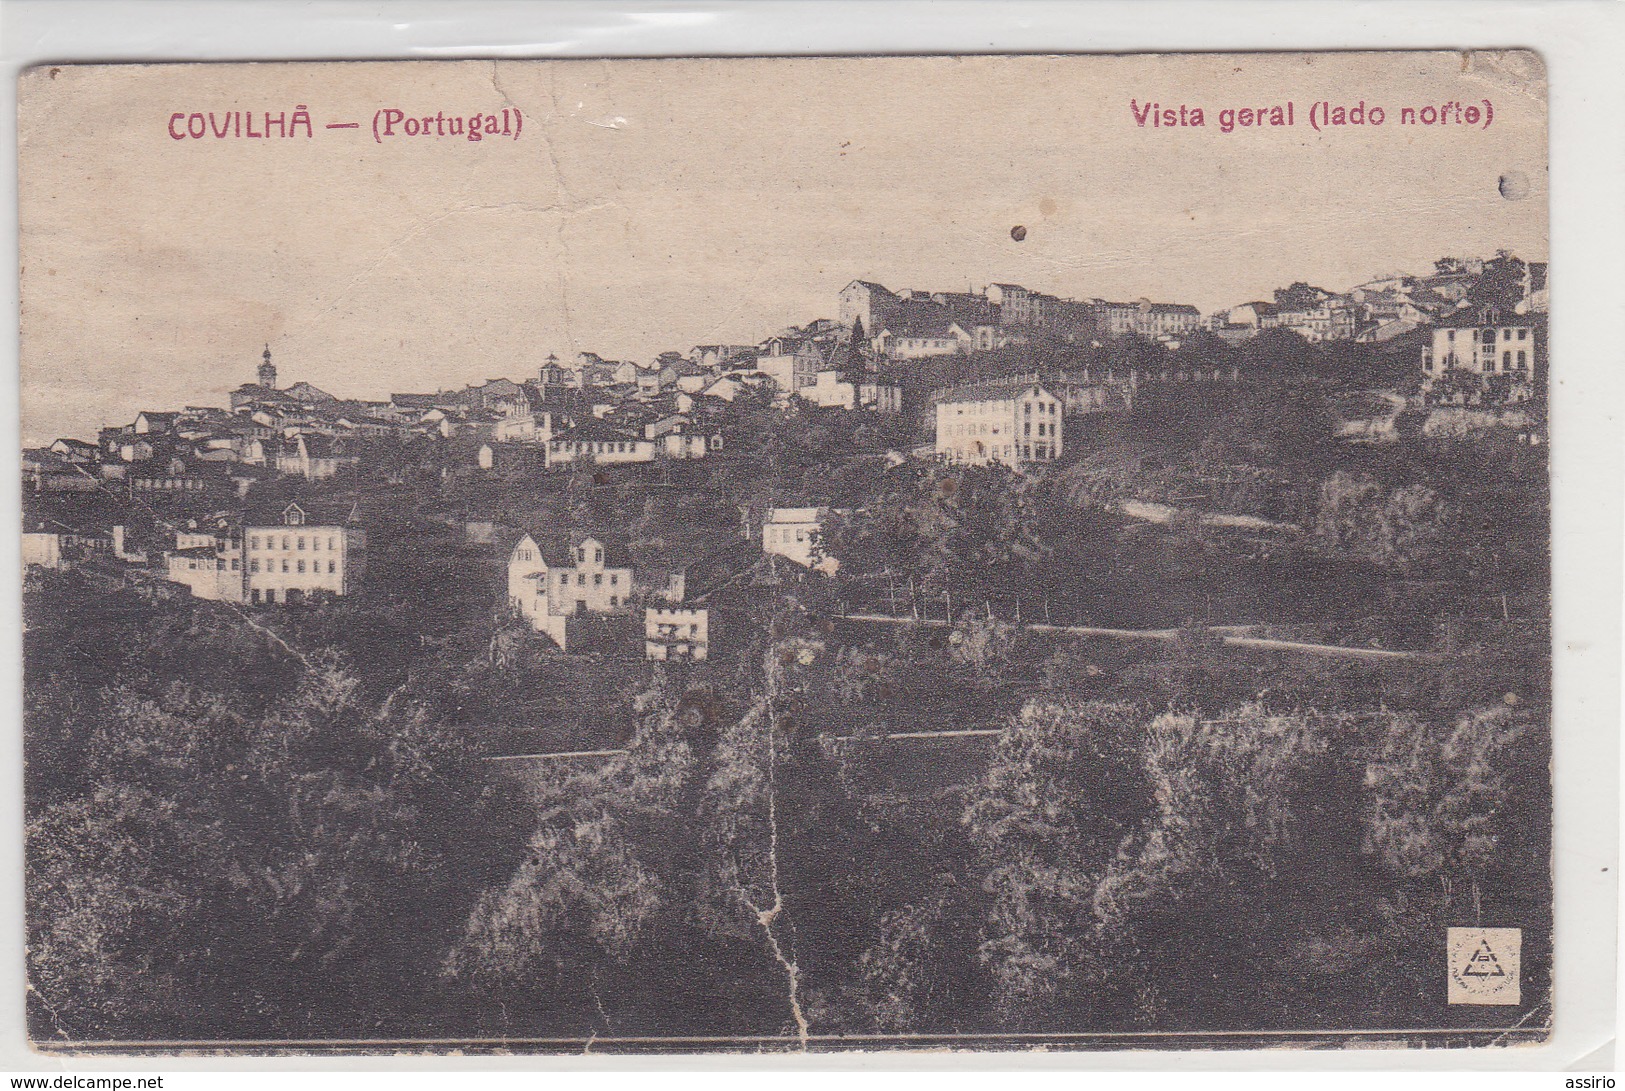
(201, 500)
(918, 612)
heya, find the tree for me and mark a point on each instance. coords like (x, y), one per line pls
(1278, 353)
(1300, 296)
(1061, 791)
(598, 870)
(1500, 285)
(1404, 529)
(918, 974)
(1236, 815)
(1446, 803)
(257, 867)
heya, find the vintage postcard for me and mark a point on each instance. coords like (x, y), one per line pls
(978, 552)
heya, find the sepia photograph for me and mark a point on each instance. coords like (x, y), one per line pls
(779, 555)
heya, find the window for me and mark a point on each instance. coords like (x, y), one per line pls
(254, 542)
(1521, 360)
(284, 541)
(614, 601)
(315, 543)
(1523, 335)
(234, 563)
(598, 556)
(564, 579)
(253, 566)
(598, 579)
(581, 579)
(1506, 361)
(284, 564)
(301, 566)
(301, 541)
(330, 543)
(332, 566)
(613, 580)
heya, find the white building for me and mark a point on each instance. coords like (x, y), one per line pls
(676, 632)
(595, 442)
(524, 428)
(313, 457)
(831, 391)
(209, 563)
(43, 548)
(1011, 425)
(688, 442)
(49, 544)
(305, 549)
(548, 594)
(1485, 355)
(793, 533)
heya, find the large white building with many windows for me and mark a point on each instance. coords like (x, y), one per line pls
(547, 593)
(1011, 424)
(303, 550)
(1480, 355)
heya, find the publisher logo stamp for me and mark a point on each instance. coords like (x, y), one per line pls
(1484, 965)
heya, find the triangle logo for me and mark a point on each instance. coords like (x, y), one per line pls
(1483, 963)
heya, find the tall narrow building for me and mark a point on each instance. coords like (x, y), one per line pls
(267, 371)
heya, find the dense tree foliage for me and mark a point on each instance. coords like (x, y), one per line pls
(228, 875)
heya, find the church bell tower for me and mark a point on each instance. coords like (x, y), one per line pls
(267, 371)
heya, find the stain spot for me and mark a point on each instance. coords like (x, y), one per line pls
(55, 72)
(1018, 232)
(1511, 698)
(1048, 207)
(1514, 185)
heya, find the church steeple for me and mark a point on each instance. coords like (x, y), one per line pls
(267, 371)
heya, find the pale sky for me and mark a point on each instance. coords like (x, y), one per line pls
(651, 205)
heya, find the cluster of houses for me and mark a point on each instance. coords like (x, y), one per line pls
(594, 412)
(166, 493)
(583, 589)
(1430, 310)
(913, 324)
(272, 554)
